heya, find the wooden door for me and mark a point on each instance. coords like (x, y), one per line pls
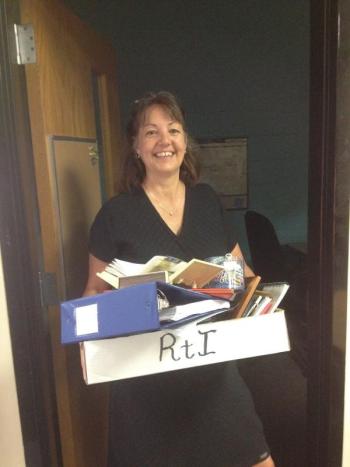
(61, 103)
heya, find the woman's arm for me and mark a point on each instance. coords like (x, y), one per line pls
(94, 284)
(248, 272)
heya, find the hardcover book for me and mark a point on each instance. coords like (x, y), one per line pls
(266, 299)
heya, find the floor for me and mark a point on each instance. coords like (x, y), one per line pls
(278, 387)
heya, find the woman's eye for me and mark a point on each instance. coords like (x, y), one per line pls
(174, 131)
(150, 132)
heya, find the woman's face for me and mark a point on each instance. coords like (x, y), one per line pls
(160, 142)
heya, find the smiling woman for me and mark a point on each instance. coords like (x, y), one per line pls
(161, 145)
(161, 158)
(202, 416)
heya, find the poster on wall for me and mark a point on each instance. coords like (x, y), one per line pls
(224, 167)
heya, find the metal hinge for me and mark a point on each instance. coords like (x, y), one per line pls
(25, 44)
(48, 288)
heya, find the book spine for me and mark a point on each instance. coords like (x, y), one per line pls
(251, 308)
(263, 306)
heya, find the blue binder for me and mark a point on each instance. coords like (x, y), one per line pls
(121, 312)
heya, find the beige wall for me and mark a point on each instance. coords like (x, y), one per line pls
(11, 446)
(346, 432)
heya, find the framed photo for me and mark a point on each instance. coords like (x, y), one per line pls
(224, 167)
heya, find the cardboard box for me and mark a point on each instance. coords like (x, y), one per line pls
(184, 347)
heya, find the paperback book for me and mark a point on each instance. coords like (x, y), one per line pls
(195, 273)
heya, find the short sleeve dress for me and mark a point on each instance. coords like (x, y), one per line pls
(196, 417)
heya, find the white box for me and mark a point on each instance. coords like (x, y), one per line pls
(183, 347)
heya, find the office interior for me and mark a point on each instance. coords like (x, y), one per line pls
(241, 69)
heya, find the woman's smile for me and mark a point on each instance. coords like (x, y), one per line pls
(164, 154)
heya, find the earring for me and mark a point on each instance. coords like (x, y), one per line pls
(138, 156)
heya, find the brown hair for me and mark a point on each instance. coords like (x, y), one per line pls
(133, 171)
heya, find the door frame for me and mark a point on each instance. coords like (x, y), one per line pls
(23, 258)
(323, 64)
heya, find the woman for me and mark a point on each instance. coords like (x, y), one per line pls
(202, 416)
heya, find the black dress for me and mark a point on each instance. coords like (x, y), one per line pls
(196, 417)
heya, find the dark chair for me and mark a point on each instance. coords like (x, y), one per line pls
(265, 249)
(277, 263)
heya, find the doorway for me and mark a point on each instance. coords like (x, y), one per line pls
(319, 228)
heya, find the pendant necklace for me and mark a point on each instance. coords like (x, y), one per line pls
(170, 212)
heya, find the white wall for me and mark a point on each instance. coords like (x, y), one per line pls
(11, 445)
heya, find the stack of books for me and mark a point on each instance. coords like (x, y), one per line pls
(256, 299)
(261, 299)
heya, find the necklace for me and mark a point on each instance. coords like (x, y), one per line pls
(170, 212)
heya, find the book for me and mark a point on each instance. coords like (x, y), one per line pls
(126, 281)
(156, 263)
(195, 273)
(216, 292)
(251, 286)
(252, 305)
(266, 299)
(262, 306)
(276, 290)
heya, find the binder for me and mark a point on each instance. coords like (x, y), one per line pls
(123, 312)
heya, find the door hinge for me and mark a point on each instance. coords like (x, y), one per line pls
(48, 288)
(25, 44)
(93, 154)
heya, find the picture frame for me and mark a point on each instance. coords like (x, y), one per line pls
(224, 166)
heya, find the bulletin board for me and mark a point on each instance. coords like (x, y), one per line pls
(224, 167)
(77, 194)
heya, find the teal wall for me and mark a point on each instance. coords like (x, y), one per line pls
(240, 68)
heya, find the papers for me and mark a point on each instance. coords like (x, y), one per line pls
(176, 313)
